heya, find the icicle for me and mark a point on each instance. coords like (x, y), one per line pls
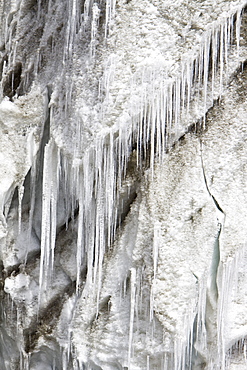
(205, 76)
(87, 8)
(88, 207)
(98, 214)
(37, 61)
(200, 337)
(54, 200)
(49, 210)
(6, 36)
(132, 311)
(137, 301)
(71, 29)
(214, 59)
(221, 57)
(45, 231)
(94, 28)
(39, 8)
(109, 181)
(177, 101)
(229, 282)
(125, 287)
(156, 239)
(169, 111)
(220, 323)
(20, 197)
(148, 368)
(183, 88)
(68, 94)
(188, 79)
(226, 43)
(151, 305)
(176, 357)
(190, 343)
(79, 240)
(110, 12)
(161, 122)
(153, 126)
(145, 127)
(231, 25)
(200, 75)
(158, 128)
(238, 26)
(14, 56)
(101, 245)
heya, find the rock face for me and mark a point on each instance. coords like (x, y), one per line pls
(123, 185)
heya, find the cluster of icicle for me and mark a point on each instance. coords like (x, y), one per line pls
(74, 20)
(92, 184)
(231, 270)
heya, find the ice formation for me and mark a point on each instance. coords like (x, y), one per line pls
(123, 184)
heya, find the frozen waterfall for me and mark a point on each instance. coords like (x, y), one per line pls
(123, 184)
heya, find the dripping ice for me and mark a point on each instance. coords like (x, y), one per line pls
(164, 111)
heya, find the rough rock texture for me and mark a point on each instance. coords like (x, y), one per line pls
(123, 184)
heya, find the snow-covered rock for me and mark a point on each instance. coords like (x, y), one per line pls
(123, 184)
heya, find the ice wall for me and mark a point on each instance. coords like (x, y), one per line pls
(122, 184)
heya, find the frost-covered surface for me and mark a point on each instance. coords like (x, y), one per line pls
(122, 184)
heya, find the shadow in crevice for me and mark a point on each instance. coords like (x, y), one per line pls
(12, 82)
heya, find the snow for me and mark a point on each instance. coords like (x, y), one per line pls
(20, 282)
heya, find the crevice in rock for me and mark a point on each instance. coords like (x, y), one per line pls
(47, 319)
(12, 82)
(103, 309)
(216, 252)
(207, 187)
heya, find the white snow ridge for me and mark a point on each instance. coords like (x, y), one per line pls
(123, 172)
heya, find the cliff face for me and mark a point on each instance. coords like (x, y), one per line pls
(123, 184)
